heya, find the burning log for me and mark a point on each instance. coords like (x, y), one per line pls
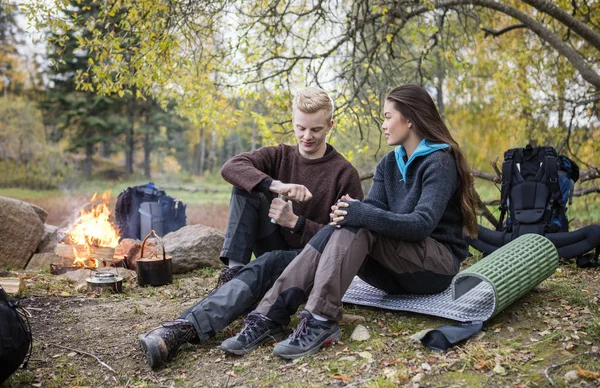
(92, 238)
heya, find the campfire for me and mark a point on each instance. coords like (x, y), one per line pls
(91, 239)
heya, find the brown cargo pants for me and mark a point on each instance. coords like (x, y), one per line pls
(323, 271)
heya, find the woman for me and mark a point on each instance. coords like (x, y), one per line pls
(406, 237)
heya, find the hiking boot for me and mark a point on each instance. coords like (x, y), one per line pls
(161, 344)
(227, 273)
(309, 336)
(257, 330)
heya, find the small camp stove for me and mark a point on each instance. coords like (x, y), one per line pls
(105, 280)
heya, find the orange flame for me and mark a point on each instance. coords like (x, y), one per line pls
(93, 229)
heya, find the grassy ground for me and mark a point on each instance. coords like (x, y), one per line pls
(551, 331)
(548, 331)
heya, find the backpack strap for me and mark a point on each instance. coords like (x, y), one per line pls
(507, 170)
(555, 200)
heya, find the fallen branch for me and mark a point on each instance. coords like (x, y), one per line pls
(486, 175)
(494, 164)
(588, 175)
(564, 363)
(87, 354)
(586, 190)
(484, 211)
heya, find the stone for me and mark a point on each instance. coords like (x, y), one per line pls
(347, 358)
(360, 333)
(351, 319)
(418, 377)
(42, 261)
(21, 231)
(52, 236)
(193, 247)
(571, 376)
(40, 212)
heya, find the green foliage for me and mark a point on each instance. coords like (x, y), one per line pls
(26, 158)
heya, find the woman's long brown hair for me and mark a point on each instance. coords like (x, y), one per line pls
(418, 107)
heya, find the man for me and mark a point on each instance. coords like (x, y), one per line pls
(311, 176)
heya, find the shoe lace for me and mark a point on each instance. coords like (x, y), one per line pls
(252, 322)
(226, 275)
(301, 330)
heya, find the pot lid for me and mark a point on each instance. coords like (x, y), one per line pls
(103, 277)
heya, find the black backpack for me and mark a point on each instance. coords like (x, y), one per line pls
(537, 186)
(167, 214)
(15, 336)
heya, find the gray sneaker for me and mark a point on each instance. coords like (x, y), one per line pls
(309, 336)
(257, 330)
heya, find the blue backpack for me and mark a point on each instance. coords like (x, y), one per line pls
(537, 187)
(161, 212)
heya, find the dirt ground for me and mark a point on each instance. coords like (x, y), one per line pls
(83, 340)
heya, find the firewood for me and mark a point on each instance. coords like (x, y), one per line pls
(12, 285)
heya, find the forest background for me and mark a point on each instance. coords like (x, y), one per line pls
(167, 90)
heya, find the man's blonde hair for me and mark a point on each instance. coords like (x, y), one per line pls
(311, 100)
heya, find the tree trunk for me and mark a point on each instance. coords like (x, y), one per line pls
(104, 149)
(212, 153)
(147, 153)
(129, 138)
(87, 163)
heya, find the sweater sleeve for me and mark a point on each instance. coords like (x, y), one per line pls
(249, 169)
(438, 186)
(377, 196)
(348, 183)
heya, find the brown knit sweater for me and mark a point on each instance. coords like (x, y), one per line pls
(327, 178)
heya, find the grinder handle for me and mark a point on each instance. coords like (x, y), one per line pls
(280, 196)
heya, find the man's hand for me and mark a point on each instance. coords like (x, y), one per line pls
(282, 212)
(292, 191)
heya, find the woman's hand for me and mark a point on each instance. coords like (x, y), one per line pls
(338, 211)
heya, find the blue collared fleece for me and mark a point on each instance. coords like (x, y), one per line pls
(410, 201)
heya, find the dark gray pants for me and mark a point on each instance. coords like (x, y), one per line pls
(249, 228)
(324, 269)
(221, 307)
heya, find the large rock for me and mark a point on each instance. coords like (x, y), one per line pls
(193, 247)
(40, 212)
(42, 261)
(21, 230)
(52, 236)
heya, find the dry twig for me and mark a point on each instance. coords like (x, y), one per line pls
(87, 354)
(564, 363)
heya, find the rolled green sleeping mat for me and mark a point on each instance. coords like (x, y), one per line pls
(512, 270)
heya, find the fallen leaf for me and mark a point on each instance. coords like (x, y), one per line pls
(587, 373)
(341, 377)
(365, 355)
